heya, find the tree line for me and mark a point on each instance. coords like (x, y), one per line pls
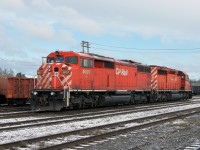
(10, 73)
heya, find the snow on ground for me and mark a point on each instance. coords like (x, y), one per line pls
(26, 133)
(14, 112)
(12, 120)
(53, 119)
(42, 117)
(179, 121)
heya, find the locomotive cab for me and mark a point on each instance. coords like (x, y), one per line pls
(60, 63)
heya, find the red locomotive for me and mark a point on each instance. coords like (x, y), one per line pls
(76, 80)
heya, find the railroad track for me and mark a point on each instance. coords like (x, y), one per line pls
(7, 111)
(87, 135)
(195, 146)
(80, 117)
(6, 108)
(17, 114)
(21, 114)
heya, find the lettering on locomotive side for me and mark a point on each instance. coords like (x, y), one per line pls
(86, 71)
(123, 72)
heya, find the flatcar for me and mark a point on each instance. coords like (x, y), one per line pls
(15, 90)
(76, 80)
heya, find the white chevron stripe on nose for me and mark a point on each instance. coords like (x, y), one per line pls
(154, 82)
(66, 79)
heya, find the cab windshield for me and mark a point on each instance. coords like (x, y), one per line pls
(59, 59)
(50, 60)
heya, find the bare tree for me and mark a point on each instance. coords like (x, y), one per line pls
(6, 73)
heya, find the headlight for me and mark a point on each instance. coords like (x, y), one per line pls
(35, 93)
(52, 93)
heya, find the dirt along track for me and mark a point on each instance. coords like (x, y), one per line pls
(158, 111)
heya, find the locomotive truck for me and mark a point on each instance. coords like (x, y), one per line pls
(70, 79)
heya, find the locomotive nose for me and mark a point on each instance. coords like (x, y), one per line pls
(61, 69)
(44, 76)
(60, 73)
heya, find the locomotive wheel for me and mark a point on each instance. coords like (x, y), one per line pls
(159, 98)
(94, 104)
(81, 102)
(168, 97)
(144, 99)
(186, 97)
(78, 102)
(10, 103)
(132, 101)
(183, 96)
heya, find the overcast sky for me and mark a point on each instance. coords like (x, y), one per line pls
(149, 31)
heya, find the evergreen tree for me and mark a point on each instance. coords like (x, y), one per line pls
(20, 75)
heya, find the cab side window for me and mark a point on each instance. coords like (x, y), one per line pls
(72, 59)
(87, 63)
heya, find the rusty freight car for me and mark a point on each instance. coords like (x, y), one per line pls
(15, 90)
